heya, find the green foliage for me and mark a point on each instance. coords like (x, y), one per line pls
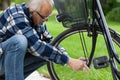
(108, 5)
(114, 15)
(118, 0)
(19, 1)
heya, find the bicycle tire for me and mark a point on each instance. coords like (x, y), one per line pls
(59, 39)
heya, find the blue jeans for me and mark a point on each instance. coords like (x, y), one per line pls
(16, 63)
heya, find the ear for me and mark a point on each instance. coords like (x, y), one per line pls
(31, 11)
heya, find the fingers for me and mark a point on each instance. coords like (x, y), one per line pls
(78, 64)
(83, 59)
(86, 68)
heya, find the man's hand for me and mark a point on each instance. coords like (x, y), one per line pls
(78, 64)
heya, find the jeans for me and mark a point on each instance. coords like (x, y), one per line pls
(16, 63)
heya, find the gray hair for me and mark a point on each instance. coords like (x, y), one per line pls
(36, 4)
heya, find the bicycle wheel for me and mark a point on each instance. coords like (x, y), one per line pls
(116, 59)
(78, 42)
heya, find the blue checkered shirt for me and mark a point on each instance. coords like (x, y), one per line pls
(16, 19)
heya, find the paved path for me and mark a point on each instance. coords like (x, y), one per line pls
(36, 76)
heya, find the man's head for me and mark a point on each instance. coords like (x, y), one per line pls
(40, 10)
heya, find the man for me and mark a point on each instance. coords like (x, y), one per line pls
(24, 41)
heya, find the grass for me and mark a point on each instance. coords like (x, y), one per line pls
(65, 72)
(55, 28)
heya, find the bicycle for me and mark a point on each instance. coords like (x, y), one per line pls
(83, 28)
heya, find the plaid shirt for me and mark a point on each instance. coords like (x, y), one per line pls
(16, 19)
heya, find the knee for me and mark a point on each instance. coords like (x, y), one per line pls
(20, 40)
(17, 43)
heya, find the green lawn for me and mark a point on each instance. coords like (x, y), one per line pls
(65, 72)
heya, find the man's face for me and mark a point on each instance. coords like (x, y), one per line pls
(42, 15)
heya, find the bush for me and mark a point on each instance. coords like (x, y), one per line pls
(114, 14)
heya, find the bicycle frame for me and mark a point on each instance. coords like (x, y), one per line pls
(94, 26)
(98, 16)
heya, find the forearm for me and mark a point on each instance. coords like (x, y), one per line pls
(49, 52)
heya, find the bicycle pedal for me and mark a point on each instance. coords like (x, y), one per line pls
(100, 62)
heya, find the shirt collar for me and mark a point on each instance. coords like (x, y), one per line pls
(27, 13)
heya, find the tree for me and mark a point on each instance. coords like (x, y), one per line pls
(108, 5)
(4, 4)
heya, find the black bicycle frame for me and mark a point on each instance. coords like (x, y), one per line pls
(98, 16)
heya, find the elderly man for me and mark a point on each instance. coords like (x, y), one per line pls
(24, 41)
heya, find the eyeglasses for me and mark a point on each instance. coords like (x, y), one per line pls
(43, 17)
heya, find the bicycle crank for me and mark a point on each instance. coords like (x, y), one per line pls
(100, 62)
